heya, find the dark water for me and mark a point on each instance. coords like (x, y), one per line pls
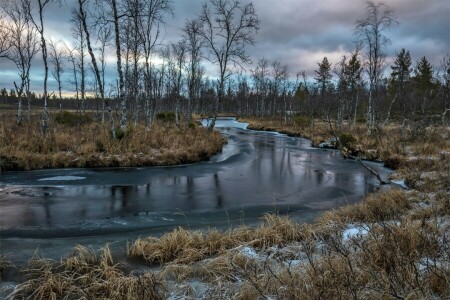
(257, 172)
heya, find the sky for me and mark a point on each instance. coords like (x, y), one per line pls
(298, 33)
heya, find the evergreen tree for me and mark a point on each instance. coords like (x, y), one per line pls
(400, 78)
(424, 82)
(324, 76)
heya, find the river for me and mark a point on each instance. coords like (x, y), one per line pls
(257, 172)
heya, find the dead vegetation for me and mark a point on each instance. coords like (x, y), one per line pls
(90, 144)
(5, 265)
(86, 274)
(420, 154)
(392, 245)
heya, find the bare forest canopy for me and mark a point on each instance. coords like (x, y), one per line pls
(153, 77)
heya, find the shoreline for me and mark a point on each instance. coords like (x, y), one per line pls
(389, 232)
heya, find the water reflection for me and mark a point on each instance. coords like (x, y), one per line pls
(261, 170)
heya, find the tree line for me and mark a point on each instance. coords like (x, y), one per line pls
(153, 77)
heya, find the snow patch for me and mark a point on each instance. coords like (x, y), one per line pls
(62, 178)
(226, 122)
(401, 183)
(249, 252)
(354, 231)
(120, 222)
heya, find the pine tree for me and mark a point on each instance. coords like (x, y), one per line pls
(424, 82)
(324, 76)
(400, 78)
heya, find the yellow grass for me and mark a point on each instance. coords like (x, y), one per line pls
(401, 250)
(23, 147)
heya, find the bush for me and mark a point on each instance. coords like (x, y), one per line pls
(346, 139)
(361, 120)
(302, 121)
(71, 119)
(165, 116)
(121, 134)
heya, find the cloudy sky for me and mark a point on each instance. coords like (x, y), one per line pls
(298, 33)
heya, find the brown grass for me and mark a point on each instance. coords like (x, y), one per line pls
(5, 265)
(411, 151)
(400, 251)
(23, 147)
(87, 274)
(183, 246)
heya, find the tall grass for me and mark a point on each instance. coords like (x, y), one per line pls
(89, 144)
(392, 245)
(87, 274)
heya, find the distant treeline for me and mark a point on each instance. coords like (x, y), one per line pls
(360, 87)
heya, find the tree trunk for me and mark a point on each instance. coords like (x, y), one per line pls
(123, 100)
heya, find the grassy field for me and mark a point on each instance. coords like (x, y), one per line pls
(392, 245)
(75, 141)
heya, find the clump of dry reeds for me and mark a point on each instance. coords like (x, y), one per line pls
(5, 265)
(185, 246)
(87, 274)
(23, 147)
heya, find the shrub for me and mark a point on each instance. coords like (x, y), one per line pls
(165, 116)
(361, 120)
(346, 139)
(121, 134)
(302, 121)
(71, 119)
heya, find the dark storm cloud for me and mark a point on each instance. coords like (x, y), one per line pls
(298, 33)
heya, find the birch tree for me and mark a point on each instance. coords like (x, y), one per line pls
(22, 48)
(179, 52)
(57, 57)
(4, 36)
(39, 25)
(153, 16)
(228, 27)
(261, 82)
(83, 18)
(191, 32)
(78, 58)
(371, 31)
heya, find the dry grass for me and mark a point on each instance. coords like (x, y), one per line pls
(23, 147)
(183, 246)
(5, 265)
(410, 150)
(87, 274)
(392, 245)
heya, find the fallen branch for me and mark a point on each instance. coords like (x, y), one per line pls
(375, 173)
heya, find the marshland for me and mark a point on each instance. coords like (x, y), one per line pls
(155, 149)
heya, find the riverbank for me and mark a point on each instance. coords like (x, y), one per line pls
(80, 142)
(411, 151)
(392, 245)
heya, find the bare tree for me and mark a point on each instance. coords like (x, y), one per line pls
(122, 98)
(179, 51)
(280, 76)
(72, 58)
(104, 37)
(23, 47)
(79, 57)
(152, 19)
(261, 82)
(39, 25)
(4, 37)
(194, 71)
(228, 26)
(371, 31)
(57, 56)
(83, 18)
